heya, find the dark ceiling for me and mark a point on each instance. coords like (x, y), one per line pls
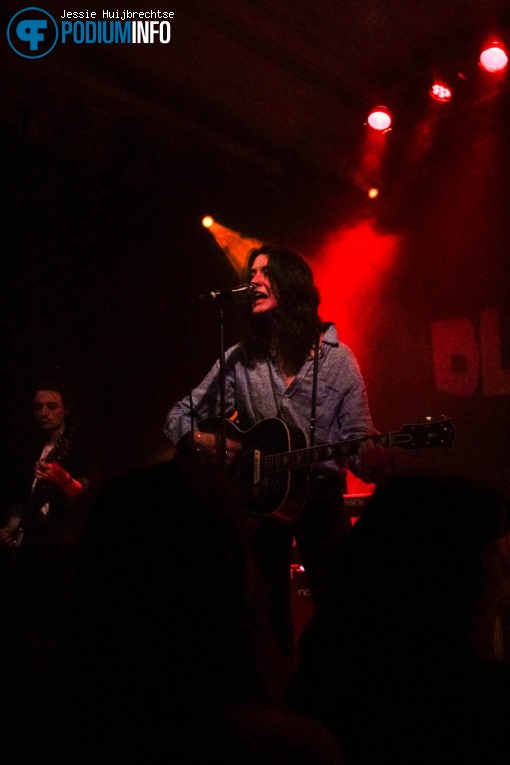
(261, 84)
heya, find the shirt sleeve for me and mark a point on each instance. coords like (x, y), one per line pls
(206, 400)
(354, 419)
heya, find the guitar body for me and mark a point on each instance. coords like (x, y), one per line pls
(282, 494)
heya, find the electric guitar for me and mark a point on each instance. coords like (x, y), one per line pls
(271, 473)
(35, 500)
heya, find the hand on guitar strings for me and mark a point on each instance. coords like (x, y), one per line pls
(207, 447)
(52, 472)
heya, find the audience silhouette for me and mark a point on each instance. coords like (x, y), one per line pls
(158, 665)
(391, 664)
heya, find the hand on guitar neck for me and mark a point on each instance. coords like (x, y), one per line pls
(377, 464)
(9, 534)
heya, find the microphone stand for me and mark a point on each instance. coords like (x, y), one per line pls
(223, 296)
(223, 424)
(223, 408)
(223, 417)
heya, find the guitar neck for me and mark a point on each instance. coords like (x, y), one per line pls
(300, 458)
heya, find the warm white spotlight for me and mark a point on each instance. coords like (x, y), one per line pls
(440, 93)
(207, 221)
(494, 58)
(373, 192)
(379, 118)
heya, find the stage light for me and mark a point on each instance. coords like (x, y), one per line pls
(235, 246)
(440, 92)
(494, 58)
(373, 192)
(379, 118)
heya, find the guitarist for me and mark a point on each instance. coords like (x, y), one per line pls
(270, 374)
(45, 521)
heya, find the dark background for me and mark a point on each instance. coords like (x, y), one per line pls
(254, 113)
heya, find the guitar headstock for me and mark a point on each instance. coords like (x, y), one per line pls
(431, 434)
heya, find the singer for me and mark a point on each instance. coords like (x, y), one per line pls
(270, 374)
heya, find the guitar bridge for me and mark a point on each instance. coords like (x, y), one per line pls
(256, 467)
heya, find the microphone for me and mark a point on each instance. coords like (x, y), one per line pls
(223, 295)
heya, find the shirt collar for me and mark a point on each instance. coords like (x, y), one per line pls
(330, 333)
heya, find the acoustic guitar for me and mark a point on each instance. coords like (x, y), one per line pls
(271, 472)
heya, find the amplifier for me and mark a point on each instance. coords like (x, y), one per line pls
(354, 504)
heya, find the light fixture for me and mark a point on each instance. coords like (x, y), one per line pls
(379, 118)
(493, 58)
(440, 92)
(207, 221)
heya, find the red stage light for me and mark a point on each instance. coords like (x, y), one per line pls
(440, 93)
(379, 118)
(349, 270)
(494, 58)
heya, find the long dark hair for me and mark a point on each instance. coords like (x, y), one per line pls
(293, 330)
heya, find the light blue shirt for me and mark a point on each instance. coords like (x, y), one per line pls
(259, 391)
